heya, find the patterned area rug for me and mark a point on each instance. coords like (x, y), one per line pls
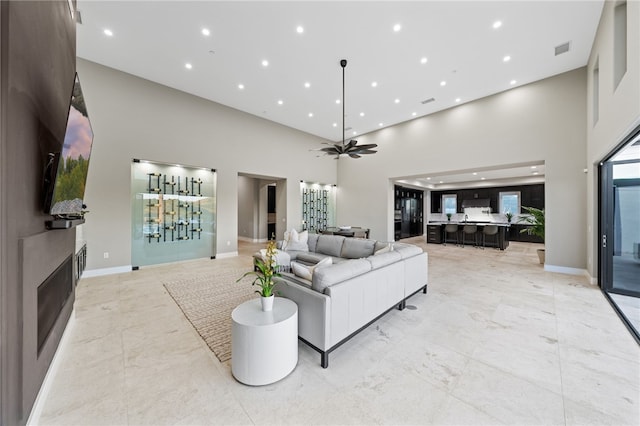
(207, 302)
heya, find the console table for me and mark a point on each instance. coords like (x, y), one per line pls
(264, 345)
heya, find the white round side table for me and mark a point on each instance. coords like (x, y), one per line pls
(264, 345)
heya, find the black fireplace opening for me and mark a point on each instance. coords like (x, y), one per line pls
(53, 293)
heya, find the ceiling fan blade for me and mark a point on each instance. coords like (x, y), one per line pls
(354, 156)
(351, 143)
(368, 146)
(332, 149)
(363, 151)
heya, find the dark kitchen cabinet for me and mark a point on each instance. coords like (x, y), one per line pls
(531, 196)
(408, 203)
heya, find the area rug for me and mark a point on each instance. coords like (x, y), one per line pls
(207, 302)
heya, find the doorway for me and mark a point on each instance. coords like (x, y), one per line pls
(262, 206)
(619, 177)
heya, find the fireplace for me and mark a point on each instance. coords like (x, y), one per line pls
(53, 293)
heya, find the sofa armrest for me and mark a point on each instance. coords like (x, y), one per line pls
(313, 312)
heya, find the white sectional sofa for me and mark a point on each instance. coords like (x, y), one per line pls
(365, 281)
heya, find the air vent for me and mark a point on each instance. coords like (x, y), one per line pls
(426, 101)
(563, 48)
(78, 17)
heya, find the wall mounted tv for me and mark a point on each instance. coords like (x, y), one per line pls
(66, 171)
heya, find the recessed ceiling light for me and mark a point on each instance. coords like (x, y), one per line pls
(428, 178)
(310, 114)
(512, 82)
(355, 133)
(535, 173)
(534, 167)
(188, 66)
(475, 173)
(497, 24)
(337, 101)
(380, 124)
(414, 114)
(506, 58)
(307, 84)
(299, 29)
(482, 178)
(280, 102)
(441, 182)
(265, 63)
(362, 114)
(397, 27)
(240, 86)
(108, 32)
(457, 100)
(423, 60)
(374, 84)
(335, 124)
(206, 32)
(443, 83)
(397, 101)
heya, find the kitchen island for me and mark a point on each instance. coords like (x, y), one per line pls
(436, 235)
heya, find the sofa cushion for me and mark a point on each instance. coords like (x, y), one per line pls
(330, 244)
(379, 249)
(355, 248)
(311, 257)
(384, 259)
(326, 277)
(295, 241)
(312, 241)
(407, 250)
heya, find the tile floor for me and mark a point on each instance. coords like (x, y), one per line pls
(497, 340)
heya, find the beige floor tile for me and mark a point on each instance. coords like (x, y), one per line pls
(496, 340)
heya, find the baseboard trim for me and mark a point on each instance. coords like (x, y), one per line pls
(88, 273)
(225, 255)
(566, 270)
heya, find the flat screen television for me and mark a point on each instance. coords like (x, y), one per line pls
(66, 170)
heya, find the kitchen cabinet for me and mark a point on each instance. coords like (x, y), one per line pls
(434, 234)
(409, 211)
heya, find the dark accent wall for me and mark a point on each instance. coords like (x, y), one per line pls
(37, 67)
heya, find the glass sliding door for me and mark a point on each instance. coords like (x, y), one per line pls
(619, 212)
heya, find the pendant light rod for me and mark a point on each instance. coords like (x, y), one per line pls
(343, 64)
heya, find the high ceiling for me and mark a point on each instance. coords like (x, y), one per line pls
(303, 42)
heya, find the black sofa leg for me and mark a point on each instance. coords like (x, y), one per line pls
(402, 305)
(324, 359)
(424, 289)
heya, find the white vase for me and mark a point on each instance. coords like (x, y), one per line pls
(267, 303)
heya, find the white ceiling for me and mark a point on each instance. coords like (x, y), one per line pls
(516, 174)
(155, 39)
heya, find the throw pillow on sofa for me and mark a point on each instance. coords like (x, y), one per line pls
(295, 241)
(306, 272)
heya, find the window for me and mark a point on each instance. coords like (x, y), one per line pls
(596, 92)
(450, 203)
(510, 202)
(619, 43)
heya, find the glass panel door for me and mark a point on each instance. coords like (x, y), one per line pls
(626, 228)
(174, 213)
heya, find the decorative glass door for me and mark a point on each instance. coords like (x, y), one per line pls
(174, 213)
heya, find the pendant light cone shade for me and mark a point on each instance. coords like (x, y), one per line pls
(351, 148)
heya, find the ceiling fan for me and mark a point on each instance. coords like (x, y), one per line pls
(352, 149)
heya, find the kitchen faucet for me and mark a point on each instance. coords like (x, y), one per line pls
(466, 217)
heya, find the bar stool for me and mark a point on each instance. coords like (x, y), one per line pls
(450, 228)
(470, 229)
(490, 230)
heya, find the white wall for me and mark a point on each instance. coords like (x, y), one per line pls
(247, 208)
(542, 121)
(619, 108)
(135, 118)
